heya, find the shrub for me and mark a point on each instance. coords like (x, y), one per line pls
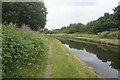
(109, 35)
(20, 48)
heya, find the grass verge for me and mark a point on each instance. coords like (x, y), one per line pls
(66, 65)
(91, 38)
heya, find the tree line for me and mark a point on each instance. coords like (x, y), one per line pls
(104, 23)
(32, 14)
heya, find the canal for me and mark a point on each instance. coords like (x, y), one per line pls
(104, 59)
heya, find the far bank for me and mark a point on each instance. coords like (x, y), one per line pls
(89, 39)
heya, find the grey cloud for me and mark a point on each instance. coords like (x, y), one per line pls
(63, 12)
(72, 2)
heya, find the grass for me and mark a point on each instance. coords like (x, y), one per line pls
(66, 65)
(25, 54)
(90, 38)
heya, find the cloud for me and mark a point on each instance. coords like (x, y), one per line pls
(63, 12)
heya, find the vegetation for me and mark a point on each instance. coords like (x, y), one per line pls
(64, 64)
(108, 22)
(32, 14)
(23, 53)
(0, 51)
(109, 35)
(111, 40)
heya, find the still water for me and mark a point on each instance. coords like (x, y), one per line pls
(103, 59)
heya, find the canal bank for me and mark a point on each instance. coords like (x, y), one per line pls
(65, 64)
(104, 59)
(107, 42)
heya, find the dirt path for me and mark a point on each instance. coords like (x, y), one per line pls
(48, 68)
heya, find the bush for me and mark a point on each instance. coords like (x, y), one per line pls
(109, 35)
(113, 35)
(103, 34)
(21, 48)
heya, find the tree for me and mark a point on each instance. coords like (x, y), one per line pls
(117, 15)
(104, 23)
(32, 14)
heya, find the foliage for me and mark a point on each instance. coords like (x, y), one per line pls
(72, 28)
(21, 49)
(109, 35)
(103, 34)
(32, 14)
(116, 14)
(104, 23)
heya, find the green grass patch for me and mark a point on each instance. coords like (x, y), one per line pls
(66, 65)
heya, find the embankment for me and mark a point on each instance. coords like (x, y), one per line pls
(64, 64)
(108, 42)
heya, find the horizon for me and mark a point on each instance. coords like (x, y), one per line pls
(62, 13)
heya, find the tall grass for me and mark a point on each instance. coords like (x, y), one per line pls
(109, 35)
(102, 35)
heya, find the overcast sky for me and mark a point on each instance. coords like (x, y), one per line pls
(63, 12)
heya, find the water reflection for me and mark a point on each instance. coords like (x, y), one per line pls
(103, 58)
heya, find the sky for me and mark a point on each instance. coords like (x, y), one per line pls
(64, 12)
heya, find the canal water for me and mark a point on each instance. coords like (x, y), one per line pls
(103, 59)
